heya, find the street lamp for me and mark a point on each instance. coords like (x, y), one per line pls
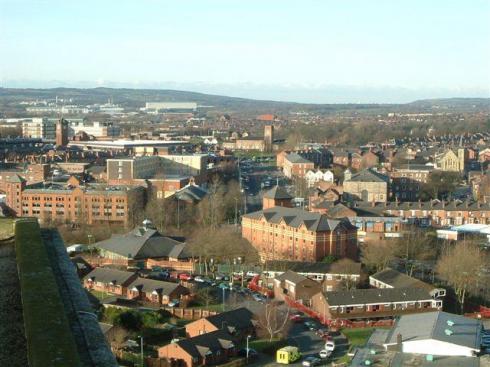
(248, 337)
(142, 358)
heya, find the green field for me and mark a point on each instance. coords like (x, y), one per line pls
(50, 341)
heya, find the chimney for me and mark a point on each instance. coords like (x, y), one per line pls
(399, 342)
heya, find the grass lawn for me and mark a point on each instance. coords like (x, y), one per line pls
(99, 295)
(6, 228)
(357, 337)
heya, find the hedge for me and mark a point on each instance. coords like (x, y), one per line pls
(50, 341)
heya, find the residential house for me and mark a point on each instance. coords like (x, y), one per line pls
(331, 276)
(277, 196)
(390, 278)
(371, 304)
(108, 280)
(296, 166)
(238, 322)
(313, 177)
(295, 287)
(406, 181)
(211, 348)
(156, 291)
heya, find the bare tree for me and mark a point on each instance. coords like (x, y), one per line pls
(462, 268)
(413, 247)
(274, 319)
(377, 256)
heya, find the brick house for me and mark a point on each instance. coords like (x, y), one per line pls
(238, 322)
(362, 304)
(109, 281)
(296, 166)
(156, 291)
(296, 287)
(211, 348)
(407, 181)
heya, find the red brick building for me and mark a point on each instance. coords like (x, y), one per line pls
(282, 233)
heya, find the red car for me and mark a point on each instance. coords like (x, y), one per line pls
(185, 276)
(296, 318)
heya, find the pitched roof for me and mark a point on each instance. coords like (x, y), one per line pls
(190, 193)
(296, 158)
(369, 175)
(315, 267)
(432, 325)
(291, 276)
(399, 280)
(16, 178)
(150, 285)
(240, 318)
(142, 243)
(107, 275)
(375, 296)
(295, 217)
(212, 342)
(278, 193)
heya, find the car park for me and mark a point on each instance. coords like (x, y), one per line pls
(311, 361)
(324, 354)
(330, 345)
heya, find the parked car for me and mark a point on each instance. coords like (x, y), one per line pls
(324, 354)
(252, 274)
(310, 325)
(174, 303)
(311, 361)
(185, 276)
(330, 345)
(296, 318)
(219, 276)
(199, 279)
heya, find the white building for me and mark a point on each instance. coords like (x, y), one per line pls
(170, 106)
(96, 128)
(313, 177)
(437, 334)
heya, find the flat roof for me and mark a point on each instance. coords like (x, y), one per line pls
(124, 143)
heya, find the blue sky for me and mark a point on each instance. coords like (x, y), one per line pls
(278, 49)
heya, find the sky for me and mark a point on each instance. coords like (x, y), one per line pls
(303, 50)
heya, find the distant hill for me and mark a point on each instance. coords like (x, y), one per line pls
(137, 97)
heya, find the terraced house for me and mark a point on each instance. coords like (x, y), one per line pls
(282, 233)
(437, 213)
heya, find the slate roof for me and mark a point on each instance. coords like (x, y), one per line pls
(453, 205)
(314, 267)
(143, 243)
(201, 345)
(191, 193)
(238, 319)
(291, 276)
(16, 178)
(296, 158)
(432, 325)
(150, 285)
(295, 217)
(107, 275)
(399, 280)
(376, 296)
(369, 175)
(278, 193)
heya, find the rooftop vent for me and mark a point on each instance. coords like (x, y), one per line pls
(448, 332)
(450, 322)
